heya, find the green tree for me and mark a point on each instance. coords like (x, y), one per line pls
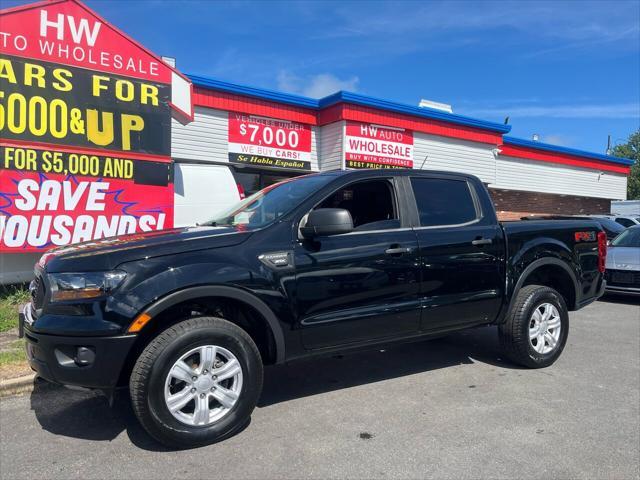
(631, 150)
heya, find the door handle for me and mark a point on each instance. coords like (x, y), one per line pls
(481, 241)
(397, 250)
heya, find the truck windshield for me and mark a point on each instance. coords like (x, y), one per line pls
(270, 203)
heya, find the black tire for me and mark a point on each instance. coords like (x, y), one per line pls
(514, 332)
(147, 381)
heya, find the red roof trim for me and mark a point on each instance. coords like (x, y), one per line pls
(532, 154)
(238, 103)
(331, 114)
(253, 106)
(343, 111)
(434, 127)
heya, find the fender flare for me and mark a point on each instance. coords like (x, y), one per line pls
(224, 292)
(540, 263)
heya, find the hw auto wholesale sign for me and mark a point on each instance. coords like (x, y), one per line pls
(85, 129)
(268, 142)
(374, 146)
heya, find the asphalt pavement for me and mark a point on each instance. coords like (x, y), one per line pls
(447, 408)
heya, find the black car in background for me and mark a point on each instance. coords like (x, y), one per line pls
(624, 220)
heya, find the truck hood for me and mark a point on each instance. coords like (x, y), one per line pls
(623, 258)
(110, 252)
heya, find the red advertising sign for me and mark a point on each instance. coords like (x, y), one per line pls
(269, 142)
(53, 209)
(85, 129)
(69, 33)
(375, 146)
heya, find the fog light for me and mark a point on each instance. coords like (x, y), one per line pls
(84, 356)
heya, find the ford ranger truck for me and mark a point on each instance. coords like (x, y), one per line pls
(318, 264)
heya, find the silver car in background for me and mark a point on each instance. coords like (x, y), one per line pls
(623, 263)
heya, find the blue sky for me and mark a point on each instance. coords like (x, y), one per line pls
(568, 71)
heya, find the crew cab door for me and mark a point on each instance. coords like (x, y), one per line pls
(363, 285)
(461, 250)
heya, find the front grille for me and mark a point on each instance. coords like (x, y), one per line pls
(37, 292)
(628, 278)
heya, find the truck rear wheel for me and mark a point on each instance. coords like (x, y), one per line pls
(536, 329)
(197, 382)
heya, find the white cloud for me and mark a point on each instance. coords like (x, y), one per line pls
(549, 26)
(315, 86)
(558, 139)
(288, 82)
(558, 20)
(620, 110)
(325, 84)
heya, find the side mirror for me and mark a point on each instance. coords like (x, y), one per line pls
(327, 221)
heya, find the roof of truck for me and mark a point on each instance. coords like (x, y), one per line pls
(386, 172)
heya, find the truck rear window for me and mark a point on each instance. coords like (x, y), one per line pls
(443, 201)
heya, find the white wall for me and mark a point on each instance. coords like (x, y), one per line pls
(512, 173)
(315, 147)
(628, 207)
(331, 146)
(536, 176)
(207, 137)
(452, 154)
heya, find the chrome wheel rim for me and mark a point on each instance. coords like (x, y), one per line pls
(203, 385)
(544, 328)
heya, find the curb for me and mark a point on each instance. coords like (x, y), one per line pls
(15, 386)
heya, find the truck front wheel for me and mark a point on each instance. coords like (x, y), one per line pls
(197, 382)
(536, 329)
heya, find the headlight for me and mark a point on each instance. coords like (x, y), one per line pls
(74, 286)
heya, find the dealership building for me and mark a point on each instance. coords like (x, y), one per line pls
(174, 149)
(242, 139)
(242, 134)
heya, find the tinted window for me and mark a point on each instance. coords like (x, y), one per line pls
(371, 204)
(443, 202)
(625, 222)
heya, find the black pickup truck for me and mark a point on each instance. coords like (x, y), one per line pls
(329, 262)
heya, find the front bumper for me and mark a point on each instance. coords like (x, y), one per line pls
(92, 362)
(623, 281)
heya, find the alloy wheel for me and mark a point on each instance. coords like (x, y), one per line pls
(544, 328)
(203, 385)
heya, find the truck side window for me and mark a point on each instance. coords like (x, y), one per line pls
(371, 204)
(443, 201)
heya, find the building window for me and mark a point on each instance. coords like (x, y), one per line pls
(253, 181)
